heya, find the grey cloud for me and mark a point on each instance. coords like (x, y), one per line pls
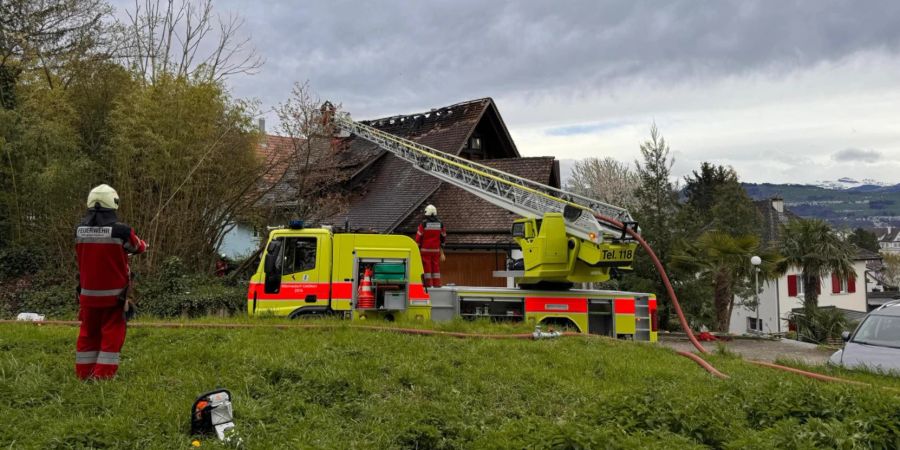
(388, 57)
(856, 155)
(398, 56)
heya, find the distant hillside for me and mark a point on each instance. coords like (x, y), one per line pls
(865, 205)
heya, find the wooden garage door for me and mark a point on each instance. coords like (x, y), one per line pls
(473, 268)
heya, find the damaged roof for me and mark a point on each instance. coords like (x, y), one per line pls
(386, 189)
(473, 222)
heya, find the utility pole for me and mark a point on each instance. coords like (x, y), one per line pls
(756, 261)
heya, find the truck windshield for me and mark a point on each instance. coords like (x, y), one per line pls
(299, 255)
(883, 331)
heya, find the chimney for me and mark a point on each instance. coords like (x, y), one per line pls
(778, 204)
(264, 138)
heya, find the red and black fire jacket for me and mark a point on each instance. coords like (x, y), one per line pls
(102, 246)
(431, 235)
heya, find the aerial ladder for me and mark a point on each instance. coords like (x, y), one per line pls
(561, 239)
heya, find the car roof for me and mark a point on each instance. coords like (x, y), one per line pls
(888, 309)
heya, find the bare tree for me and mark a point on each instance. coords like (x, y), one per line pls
(891, 268)
(173, 37)
(607, 180)
(44, 35)
(314, 169)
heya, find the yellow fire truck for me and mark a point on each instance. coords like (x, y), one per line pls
(312, 271)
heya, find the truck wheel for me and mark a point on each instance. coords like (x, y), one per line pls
(559, 324)
(307, 313)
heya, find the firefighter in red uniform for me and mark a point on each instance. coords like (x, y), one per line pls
(102, 245)
(430, 237)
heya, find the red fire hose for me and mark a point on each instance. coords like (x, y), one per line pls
(687, 329)
(662, 274)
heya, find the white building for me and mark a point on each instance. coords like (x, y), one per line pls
(888, 239)
(778, 297)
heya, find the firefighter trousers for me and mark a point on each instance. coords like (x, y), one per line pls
(431, 263)
(99, 342)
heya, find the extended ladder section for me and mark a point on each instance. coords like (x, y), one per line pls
(519, 195)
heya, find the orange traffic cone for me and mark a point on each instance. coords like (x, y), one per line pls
(366, 299)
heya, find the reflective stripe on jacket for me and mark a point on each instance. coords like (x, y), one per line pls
(102, 245)
(431, 234)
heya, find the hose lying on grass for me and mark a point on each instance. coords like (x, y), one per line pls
(423, 332)
(687, 329)
(659, 268)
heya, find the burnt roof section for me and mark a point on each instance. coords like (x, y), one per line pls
(388, 189)
(473, 222)
(773, 220)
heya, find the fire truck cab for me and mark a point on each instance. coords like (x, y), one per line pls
(312, 271)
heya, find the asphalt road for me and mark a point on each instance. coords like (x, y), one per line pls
(759, 349)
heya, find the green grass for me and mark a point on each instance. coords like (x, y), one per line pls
(348, 388)
(865, 376)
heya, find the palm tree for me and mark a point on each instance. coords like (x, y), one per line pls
(811, 246)
(725, 260)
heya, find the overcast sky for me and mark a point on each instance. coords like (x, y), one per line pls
(782, 91)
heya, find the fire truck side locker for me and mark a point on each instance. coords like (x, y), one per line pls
(444, 304)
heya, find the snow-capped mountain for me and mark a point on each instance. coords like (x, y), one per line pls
(850, 183)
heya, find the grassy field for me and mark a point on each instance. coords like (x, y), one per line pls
(348, 388)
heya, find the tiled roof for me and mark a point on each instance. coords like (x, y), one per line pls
(276, 153)
(889, 234)
(286, 158)
(772, 221)
(389, 189)
(863, 254)
(473, 222)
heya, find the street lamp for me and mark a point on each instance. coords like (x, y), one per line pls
(756, 261)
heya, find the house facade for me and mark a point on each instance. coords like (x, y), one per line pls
(888, 239)
(779, 297)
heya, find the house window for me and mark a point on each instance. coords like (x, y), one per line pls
(754, 324)
(800, 286)
(845, 286)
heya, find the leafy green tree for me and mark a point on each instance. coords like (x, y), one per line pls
(182, 157)
(656, 194)
(715, 200)
(864, 239)
(723, 260)
(700, 187)
(657, 201)
(811, 246)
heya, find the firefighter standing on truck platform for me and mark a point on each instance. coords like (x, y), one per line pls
(430, 237)
(102, 245)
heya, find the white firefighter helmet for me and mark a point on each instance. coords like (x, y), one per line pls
(104, 196)
(430, 210)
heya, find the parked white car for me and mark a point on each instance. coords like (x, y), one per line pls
(875, 344)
